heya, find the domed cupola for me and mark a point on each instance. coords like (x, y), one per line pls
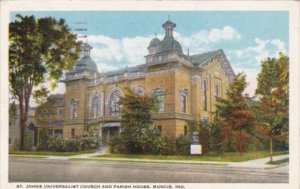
(169, 43)
(85, 62)
(154, 43)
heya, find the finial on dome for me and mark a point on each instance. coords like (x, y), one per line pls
(169, 18)
(169, 26)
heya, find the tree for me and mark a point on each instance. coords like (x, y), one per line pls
(138, 135)
(234, 112)
(12, 113)
(40, 50)
(272, 90)
(41, 119)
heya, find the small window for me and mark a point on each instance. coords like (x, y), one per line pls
(60, 112)
(73, 133)
(217, 89)
(160, 94)
(183, 95)
(185, 131)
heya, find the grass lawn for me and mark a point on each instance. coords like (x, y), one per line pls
(278, 162)
(46, 153)
(227, 157)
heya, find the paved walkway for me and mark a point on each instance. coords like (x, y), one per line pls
(259, 163)
(256, 163)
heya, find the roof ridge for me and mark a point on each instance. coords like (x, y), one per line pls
(219, 50)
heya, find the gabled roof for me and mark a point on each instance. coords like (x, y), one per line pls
(202, 59)
(199, 59)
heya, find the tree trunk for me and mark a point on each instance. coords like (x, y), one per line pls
(240, 143)
(22, 122)
(271, 148)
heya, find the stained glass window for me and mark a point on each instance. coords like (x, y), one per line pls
(114, 103)
(96, 107)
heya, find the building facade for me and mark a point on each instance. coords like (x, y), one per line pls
(186, 87)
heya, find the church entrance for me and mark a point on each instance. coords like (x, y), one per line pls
(108, 131)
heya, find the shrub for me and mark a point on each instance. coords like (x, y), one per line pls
(58, 144)
(89, 143)
(72, 145)
(117, 144)
(167, 145)
(183, 145)
(15, 145)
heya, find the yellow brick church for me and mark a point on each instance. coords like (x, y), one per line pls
(186, 87)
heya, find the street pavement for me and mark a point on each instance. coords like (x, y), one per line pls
(86, 169)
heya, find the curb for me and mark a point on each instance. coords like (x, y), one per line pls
(151, 161)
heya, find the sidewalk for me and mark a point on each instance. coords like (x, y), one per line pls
(256, 163)
(259, 163)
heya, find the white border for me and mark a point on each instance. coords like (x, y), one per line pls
(81, 5)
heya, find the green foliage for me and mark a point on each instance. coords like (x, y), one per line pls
(39, 51)
(41, 120)
(43, 139)
(183, 145)
(272, 89)
(273, 92)
(58, 144)
(91, 130)
(15, 145)
(235, 116)
(168, 145)
(28, 141)
(216, 141)
(12, 113)
(204, 137)
(138, 135)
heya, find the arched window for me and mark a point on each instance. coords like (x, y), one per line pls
(183, 96)
(114, 105)
(74, 106)
(160, 95)
(96, 107)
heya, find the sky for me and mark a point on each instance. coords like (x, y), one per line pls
(121, 38)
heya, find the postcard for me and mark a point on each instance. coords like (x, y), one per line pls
(150, 94)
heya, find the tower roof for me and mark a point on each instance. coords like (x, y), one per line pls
(169, 43)
(85, 62)
(154, 42)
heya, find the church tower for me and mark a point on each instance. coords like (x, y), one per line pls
(76, 92)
